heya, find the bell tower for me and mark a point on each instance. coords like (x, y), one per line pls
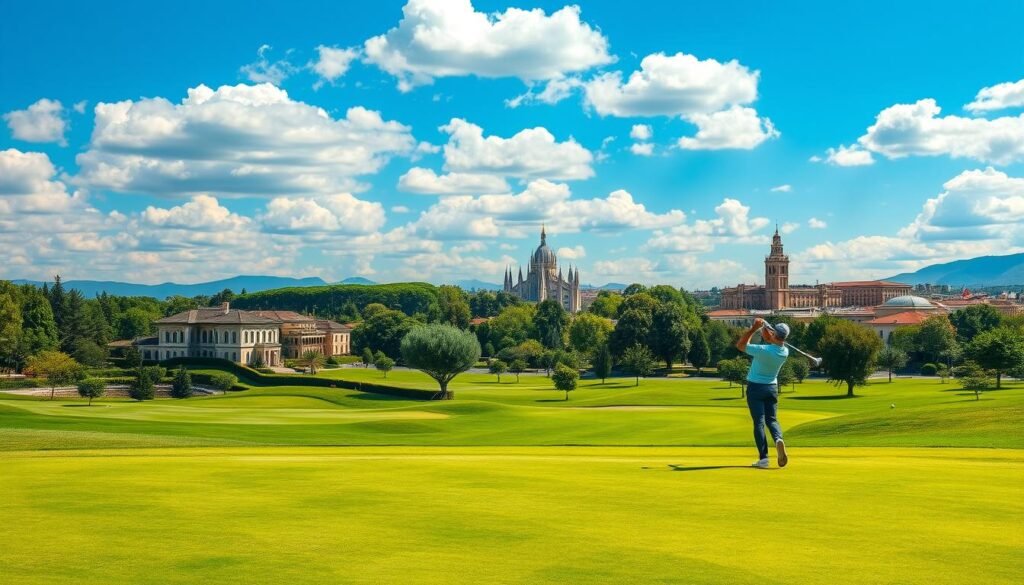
(776, 275)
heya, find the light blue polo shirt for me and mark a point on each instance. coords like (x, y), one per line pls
(768, 360)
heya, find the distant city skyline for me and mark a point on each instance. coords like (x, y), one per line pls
(658, 142)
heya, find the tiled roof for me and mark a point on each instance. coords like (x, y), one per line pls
(283, 316)
(216, 316)
(328, 325)
(728, 313)
(904, 318)
(853, 283)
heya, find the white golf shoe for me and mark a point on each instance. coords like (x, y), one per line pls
(762, 464)
(780, 447)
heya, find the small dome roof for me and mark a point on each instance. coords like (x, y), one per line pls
(909, 301)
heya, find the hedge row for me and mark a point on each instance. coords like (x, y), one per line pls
(254, 378)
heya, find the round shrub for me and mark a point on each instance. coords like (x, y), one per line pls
(929, 369)
(223, 381)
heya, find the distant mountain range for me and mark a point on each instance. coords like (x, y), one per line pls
(975, 272)
(91, 288)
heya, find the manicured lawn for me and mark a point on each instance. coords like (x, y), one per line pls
(510, 483)
(513, 515)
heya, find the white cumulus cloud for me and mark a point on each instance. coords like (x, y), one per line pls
(816, 224)
(340, 213)
(642, 148)
(998, 97)
(447, 38)
(530, 153)
(738, 127)
(420, 180)
(641, 132)
(333, 62)
(236, 140)
(43, 121)
(846, 156)
(919, 129)
(673, 85)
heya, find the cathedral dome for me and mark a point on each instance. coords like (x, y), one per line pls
(544, 256)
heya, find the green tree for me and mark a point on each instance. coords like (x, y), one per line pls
(849, 352)
(721, 341)
(699, 355)
(312, 359)
(551, 322)
(606, 304)
(936, 338)
(384, 364)
(453, 308)
(488, 348)
(974, 377)
(382, 330)
(999, 350)
(892, 358)
(603, 363)
(974, 319)
(588, 332)
(10, 314)
(498, 367)
(181, 387)
(565, 379)
(633, 289)
(518, 366)
(135, 322)
(816, 330)
(801, 369)
(640, 302)
(512, 326)
(668, 338)
(735, 371)
(632, 328)
(786, 376)
(143, 387)
(638, 361)
(442, 352)
(223, 381)
(57, 367)
(132, 357)
(530, 351)
(39, 330)
(367, 357)
(91, 388)
(89, 353)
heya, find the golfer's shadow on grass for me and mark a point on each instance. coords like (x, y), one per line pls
(674, 467)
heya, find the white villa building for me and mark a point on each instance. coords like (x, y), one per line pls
(245, 337)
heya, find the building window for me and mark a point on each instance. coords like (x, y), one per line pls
(234, 337)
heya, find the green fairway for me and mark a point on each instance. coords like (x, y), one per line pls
(514, 515)
(910, 482)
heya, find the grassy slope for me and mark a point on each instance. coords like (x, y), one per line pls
(658, 412)
(492, 512)
(513, 515)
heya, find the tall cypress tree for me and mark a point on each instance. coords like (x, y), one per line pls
(58, 304)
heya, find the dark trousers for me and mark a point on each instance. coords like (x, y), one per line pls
(763, 401)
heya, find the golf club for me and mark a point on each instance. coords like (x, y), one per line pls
(815, 361)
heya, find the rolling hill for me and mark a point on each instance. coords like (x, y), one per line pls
(91, 288)
(973, 272)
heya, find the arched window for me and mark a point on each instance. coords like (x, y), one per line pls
(234, 337)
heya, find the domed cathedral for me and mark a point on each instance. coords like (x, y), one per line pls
(544, 279)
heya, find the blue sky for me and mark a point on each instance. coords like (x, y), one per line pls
(351, 139)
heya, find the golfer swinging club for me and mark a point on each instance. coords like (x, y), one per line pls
(762, 387)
